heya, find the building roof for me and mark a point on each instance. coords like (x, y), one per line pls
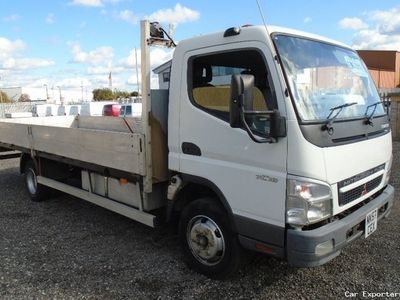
(165, 66)
(380, 59)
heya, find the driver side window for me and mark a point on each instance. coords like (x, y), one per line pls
(210, 83)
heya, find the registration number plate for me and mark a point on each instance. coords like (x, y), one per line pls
(371, 222)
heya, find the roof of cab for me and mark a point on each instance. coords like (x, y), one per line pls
(250, 33)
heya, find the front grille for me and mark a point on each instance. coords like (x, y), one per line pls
(359, 191)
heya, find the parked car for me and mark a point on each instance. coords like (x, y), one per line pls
(126, 110)
(111, 110)
(131, 110)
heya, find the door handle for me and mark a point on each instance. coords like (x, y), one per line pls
(191, 149)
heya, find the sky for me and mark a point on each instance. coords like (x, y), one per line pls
(75, 43)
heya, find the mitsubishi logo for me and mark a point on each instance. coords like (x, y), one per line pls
(365, 190)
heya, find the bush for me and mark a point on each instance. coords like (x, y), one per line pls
(102, 95)
(107, 94)
(4, 98)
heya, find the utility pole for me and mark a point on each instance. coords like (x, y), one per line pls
(59, 89)
(47, 92)
(82, 89)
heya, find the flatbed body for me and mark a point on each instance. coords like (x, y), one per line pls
(103, 141)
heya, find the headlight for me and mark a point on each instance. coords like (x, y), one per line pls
(389, 169)
(307, 202)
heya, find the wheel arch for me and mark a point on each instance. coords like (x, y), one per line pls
(25, 157)
(193, 188)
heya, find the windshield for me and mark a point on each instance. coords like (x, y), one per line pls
(323, 76)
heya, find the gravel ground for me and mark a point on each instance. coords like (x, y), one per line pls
(66, 248)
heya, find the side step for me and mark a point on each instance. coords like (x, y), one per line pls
(122, 209)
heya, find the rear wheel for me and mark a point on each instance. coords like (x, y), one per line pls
(208, 242)
(36, 191)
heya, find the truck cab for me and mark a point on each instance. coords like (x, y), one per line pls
(288, 131)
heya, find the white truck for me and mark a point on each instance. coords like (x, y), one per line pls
(273, 140)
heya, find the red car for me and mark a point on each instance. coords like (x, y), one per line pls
(111, 110)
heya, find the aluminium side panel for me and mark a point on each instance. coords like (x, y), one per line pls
(118, 150)
(14, 134)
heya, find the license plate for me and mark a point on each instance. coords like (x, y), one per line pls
(371, 222)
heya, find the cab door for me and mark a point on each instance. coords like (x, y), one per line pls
(251, 176)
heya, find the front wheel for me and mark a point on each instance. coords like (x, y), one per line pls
(208, 242)
(36, 191)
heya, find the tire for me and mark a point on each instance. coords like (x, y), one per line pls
(209, 245)
(36, 192)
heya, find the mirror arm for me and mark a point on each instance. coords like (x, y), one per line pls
(250, 133)
(258, 113)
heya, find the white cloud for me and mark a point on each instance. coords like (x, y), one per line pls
(176, 15)
(307, 20)
(389, 21)
(127, 16)
(26, 63)
(104, 70)
(73, 83)
(132, 81)
(158, 56)
(11, 18)
(90, 3)
(352, 23)
(8, 47)
(101, 55)
(102, 81)
(94, 3)
(382, 32)
(50, 19)
(374, 40)
(39, 83)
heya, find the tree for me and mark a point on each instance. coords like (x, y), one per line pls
(102, 95)
(107, 94)
(121, 94)
(24, 98)
(4, 98)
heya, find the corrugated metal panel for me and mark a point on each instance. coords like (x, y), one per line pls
(383, 79)
(375, 76)
(386, 79)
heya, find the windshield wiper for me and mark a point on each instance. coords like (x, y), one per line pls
(369, 118)
(330, 119)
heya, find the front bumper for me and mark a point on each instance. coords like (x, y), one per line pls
(301, 245)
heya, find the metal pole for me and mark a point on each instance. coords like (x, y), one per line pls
(47, 92)
(146, 102)
(137, 73)
(82, 90)
(59, 89)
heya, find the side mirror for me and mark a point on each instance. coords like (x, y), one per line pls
(242, 115)
(278, 125)
(242, 94)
